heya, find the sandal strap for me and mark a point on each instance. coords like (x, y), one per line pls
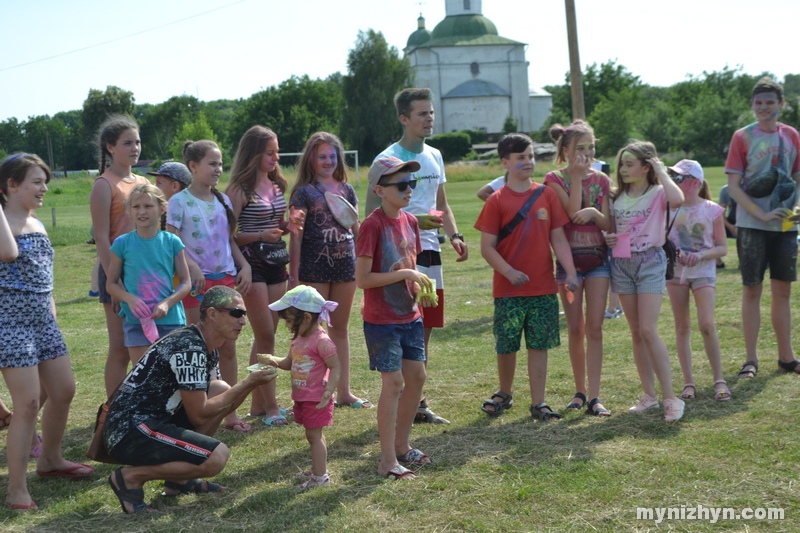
(580, 396)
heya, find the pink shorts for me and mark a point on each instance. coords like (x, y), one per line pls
(307, 414)
(191, 302)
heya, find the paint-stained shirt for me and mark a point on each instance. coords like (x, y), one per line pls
(393, 244)
(527, 248)
(692, 232)
(309, 371)
(595, 188)
(753, 152)
(178, 361)
(644, 218)
(148, 266)
(203, 228)
(425, 195)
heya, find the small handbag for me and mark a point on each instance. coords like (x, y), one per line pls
(587, 259)
(775, 183)
(97, 448)
(273, 254)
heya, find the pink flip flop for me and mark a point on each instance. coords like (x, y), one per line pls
(67, 472)
(245, 428)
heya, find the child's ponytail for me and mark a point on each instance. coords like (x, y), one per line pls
(704, 192)
(109, 132)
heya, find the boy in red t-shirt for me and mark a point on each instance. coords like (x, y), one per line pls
(524, 286)
(386, 250)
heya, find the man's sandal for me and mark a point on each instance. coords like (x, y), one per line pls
(135, 497)
(537, 411)
(689, 392)
(749, 373)
(193, 486)
(498, 407)
(575, 405)
(599, 411)
(723, 394)
(788, 367)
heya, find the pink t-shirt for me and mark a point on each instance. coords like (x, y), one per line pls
(393, 244)
(309, 371)
(644, 218)
(693, 231)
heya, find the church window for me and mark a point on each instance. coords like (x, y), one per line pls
(466, 5)
(475, 69)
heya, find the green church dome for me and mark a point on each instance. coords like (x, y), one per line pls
(464, 26)
(418, 38)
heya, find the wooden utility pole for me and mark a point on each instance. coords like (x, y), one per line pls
(575, 77)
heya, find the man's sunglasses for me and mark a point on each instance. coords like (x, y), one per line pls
(401, 185)
(234, 311)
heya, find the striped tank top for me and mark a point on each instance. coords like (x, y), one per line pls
(260, 214)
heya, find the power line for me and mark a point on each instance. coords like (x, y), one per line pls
(123, 37)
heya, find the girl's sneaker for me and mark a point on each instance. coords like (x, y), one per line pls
(316, 481)
(673, 410)
(645, 404)
(302, 476)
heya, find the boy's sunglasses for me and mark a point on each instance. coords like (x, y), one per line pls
(234, 311)
(401, 185)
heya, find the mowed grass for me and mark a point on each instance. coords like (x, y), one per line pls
(490, 474)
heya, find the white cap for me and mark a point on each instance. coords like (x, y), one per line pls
(688, 167)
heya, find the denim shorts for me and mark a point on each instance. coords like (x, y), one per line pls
(603, 271)
(641, 273)
(134, 335)
(389, 344)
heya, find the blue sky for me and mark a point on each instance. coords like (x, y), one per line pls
(244, 46)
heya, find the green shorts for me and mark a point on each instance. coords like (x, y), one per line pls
(537, 316)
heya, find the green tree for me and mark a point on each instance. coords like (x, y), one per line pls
(510, 125)
(159, 123)
(612, 120)
(99, 105)
(294, 109)
(375, 73)
(196, 130)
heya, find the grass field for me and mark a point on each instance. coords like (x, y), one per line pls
(501, 474)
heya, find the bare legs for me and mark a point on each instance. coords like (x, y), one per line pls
(264, 323)
(118, 356)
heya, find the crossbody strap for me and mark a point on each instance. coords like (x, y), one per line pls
(521, 215)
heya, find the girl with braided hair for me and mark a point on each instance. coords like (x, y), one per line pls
(119, 148)
(204, 220)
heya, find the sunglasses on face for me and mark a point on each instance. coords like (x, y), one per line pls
(401, 185)
(677, 178)
(235, 312)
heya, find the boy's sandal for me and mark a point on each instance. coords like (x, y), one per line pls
(416, 457)
(498, 407)
(193, 486)
(575, 405)
(600, 411)
(537, 411)
(723, 394)
(749, 373)
(788, 367)
(689, 392)
(400, 472)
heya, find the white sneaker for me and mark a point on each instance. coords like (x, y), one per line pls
(645, 404)
(673, 410)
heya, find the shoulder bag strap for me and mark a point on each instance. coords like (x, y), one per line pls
(521, 215)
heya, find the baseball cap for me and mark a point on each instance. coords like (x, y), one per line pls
(688, 167)
(387, 164)
(306, 298)
(174, 170)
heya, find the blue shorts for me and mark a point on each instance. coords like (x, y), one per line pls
(389, 344)
(603, 271)
(134, 335)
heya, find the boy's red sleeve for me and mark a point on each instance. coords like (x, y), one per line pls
(490, 218)
(367, 238)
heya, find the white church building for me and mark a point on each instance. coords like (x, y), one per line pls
(478, 77)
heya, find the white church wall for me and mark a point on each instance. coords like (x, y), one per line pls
(485, 113)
